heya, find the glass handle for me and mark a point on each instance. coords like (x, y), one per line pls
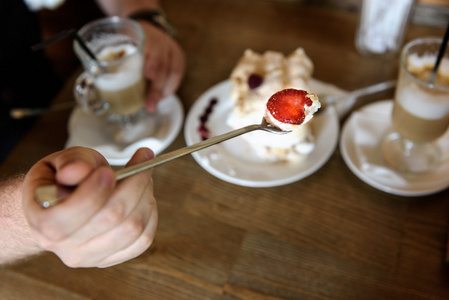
(87, 97)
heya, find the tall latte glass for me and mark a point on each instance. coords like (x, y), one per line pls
(113, 84)
(421, 109)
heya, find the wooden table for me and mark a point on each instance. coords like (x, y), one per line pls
(328, 236)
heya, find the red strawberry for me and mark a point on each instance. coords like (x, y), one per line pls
(287, 106)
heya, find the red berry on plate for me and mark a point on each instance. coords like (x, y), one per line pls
(287, 106)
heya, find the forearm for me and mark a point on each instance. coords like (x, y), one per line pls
(16, 239)
(126, 7)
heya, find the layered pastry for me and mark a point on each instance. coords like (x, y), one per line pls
(255, 78)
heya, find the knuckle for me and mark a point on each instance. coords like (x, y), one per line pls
(142, 244)
(140, 247)
(114, 213)
(133, 227)
(146, 240)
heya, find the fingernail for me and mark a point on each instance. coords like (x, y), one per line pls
(148, 153)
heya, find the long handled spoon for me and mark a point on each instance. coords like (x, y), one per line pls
(50, 195)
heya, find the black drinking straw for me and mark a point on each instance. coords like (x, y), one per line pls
(440, 55)
(53, 39)
(63, 35)
(84, 46)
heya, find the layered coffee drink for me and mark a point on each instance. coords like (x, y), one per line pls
(421, 110)
(123, 86)
(421, 113)
(113, 84)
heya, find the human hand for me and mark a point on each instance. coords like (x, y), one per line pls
(164, 65)
(103, 222)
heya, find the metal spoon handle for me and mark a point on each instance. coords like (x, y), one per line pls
(51, 195)
(20, 113)
(373, 88)
(183, 151)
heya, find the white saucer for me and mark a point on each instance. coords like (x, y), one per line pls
(233, 160)
(360, 147)
(88, 131)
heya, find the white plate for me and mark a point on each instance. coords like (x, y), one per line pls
(233, 160)
(88, 131)
(360, 147)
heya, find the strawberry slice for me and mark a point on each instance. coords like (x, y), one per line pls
(287, 106)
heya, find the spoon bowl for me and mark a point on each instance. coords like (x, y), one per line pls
(352, 97)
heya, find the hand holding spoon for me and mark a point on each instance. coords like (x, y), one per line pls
(50, 195)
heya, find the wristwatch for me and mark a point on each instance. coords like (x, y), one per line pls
(157, 17)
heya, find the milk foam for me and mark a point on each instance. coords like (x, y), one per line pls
(419, 101)
(126, 73)
(421, 104)
(417, 63)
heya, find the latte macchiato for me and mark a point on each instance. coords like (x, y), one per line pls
(113, 83)
(123, 86)
(421, 110)
(421, 114)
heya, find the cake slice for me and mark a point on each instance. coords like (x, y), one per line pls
(255, 78)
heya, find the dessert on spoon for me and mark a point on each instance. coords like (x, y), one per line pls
(290, 109)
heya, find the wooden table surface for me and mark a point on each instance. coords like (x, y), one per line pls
(327, 236)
